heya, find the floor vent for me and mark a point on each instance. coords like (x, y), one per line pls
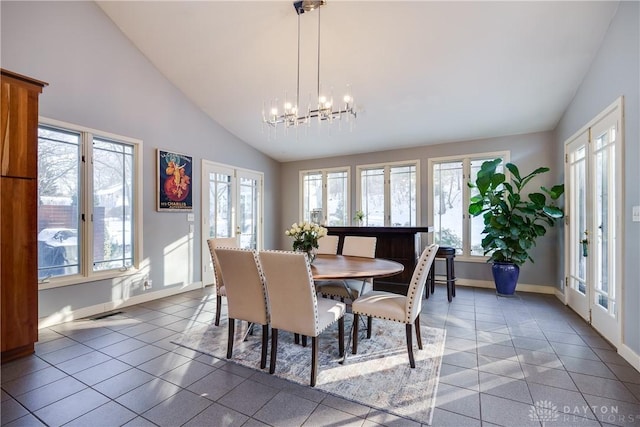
(104, 316)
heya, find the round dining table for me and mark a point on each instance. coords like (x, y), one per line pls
(328, 267)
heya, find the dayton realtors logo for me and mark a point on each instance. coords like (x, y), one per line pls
(545, 411)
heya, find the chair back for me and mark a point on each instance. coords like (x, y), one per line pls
(244, 284)
(328, 245)
(291, 293)
(359, 246)
(219, 242)
(418, 280)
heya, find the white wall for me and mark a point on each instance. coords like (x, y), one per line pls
(98, 79)
(616, 71)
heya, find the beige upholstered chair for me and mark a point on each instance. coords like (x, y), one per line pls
(246, 293)
(294, 306)
(397, 308)
(353, 246)
(218, 242)
(328, 245)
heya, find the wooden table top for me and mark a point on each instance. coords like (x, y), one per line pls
(349, 267)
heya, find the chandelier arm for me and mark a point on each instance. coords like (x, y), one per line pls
(298, 83)
(318, 97)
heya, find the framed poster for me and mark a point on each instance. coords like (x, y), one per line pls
(174, 181)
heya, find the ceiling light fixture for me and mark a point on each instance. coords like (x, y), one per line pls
(323, 110)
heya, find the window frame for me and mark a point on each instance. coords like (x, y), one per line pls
(325, 198)
(387, 186)
(86, 273)
(466, 159)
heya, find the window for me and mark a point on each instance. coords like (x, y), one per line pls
(388, 194)
(325, 193)
(88, 204)
(450, 194)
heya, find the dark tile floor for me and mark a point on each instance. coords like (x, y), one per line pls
(505, 358)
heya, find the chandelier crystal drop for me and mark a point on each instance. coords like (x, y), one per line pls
(287, 113)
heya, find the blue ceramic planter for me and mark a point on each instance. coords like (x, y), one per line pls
(505, 276)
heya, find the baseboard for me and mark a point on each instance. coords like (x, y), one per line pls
(69, 315)
(630, 356)
(522, 287)
(560, 296)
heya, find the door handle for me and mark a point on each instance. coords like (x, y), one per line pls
(585, 244)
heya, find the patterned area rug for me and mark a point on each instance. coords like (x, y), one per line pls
(378, 376)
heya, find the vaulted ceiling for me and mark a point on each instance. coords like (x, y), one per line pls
(421, 72)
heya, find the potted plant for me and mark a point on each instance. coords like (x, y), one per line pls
(358, 217)
(513, 220)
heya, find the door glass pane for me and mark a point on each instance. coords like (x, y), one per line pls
(605, 191)
(448, 204)
(578, 225)
(372, 202)
(311, 194)
(337, 212)
(59, 248)
(220, 199)
(403, 196)
(248, 221)
(112, 205)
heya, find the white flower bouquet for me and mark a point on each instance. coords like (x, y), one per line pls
(305, 237)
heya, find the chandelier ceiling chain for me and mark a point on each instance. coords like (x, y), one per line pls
(324, 108)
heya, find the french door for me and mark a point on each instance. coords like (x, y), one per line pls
(593, 233)
(231, 207)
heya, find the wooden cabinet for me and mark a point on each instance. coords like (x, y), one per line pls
(400, 244)
(18, 214)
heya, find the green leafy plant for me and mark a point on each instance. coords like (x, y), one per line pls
(359, 216)
(512, 220)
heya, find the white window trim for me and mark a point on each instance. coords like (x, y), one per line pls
(324, 172)
(466, 194)
(387, 186)
(87, 274)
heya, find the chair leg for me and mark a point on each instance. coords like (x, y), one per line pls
(354, 347)
(430, 278)
(218, 308)
(449, 279)
(369, 326)
(341, 336)
(433, 277)
(265, 340)
(274, 350)
(412, 362)
(314, 360)
(296, 338)
(304, 340)
(232, 323)
(418, 337)
(453, 280)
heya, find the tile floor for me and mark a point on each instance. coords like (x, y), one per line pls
(503, 356)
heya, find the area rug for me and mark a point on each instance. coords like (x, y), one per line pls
(378, 376)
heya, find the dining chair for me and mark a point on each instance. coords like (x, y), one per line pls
(351, 289)
(218, 242)
(246, 293)
(397, 308)
(294, 305)
(328, 245)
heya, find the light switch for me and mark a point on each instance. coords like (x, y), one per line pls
(635, 215)
(190, 217)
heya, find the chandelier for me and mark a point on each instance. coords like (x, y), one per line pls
(324, 108)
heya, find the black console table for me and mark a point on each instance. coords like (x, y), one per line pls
(400, 244)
